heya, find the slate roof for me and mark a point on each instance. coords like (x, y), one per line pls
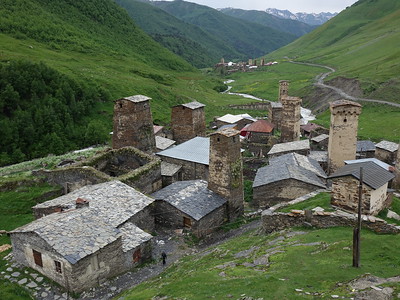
(310, 127)
(260, 126)
(228, 126)
(195, 150)
(133, 236)
(320, 156)
(374, 160)
(276, 104)
(373, 175)
(168, 169)
(191, 197)
(277, 172)
(320, 138)
(388, 146)
(290, 146)
(163, 143)
(193, 105)
(363, 146)
(136, 98)
(301, 161)
(115, 201)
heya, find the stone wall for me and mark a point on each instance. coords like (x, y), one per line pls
(290, 123)
(281, 191)
(141, 252)
(144, 219)
(272, 222)
(190, 170)
(187, 123)
(396, 180)
(275, 115)
(385, 156)
(251, 106)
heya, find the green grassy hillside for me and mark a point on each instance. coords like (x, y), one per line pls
(186, 40)
(362, 41)
(250, 39)
(261, 17)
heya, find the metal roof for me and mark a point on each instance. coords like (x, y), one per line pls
(386, 145)
(278, 172)
(365, 146)
(191, 197)
(260, 126)
(373, 175)
(231, 119)
(195, 150)
(290, 146)
(374, 160)
(310, 127)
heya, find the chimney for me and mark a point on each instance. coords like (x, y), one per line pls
(226, 170)
(80, 203)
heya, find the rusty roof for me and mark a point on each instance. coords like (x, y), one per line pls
(260, 126)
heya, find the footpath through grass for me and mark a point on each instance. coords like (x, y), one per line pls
(273, 266)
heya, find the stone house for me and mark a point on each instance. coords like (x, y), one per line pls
(192, 156)
(321, 157)
(241, 120)
(311, 129)
(291, 115)
(275, 114)
(278, 182)
(386, 151)
(320, 142)
(82, 238)
(190, 205)
(345, 183)
(300, 147)
(258, 132)
(188, 121)
(365, 149)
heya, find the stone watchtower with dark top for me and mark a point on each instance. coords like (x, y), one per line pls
(290, 122)
(133, 124)
(188, 121)
(342, 133)
(226, 170)
(283, 89)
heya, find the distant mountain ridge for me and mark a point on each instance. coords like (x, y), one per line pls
(308, 18)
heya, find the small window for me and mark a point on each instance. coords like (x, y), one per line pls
(218, 139)
(58, 266)
(37, 257)
(137, 255)
(187, 222)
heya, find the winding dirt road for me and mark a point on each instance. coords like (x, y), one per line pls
(319, 82)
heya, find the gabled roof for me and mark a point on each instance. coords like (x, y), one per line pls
(163, 143)
(301, 161)
(191, 197)
(373, 175)
(168, 169)
(374, 160)
(231, 119)
(194, 150)
(310, 127)
(277, 172)
(276, 104)
(227, 126)
(136, 98)
(157, 128)
(193, 105)
(290, 146)
(388, 146)
(260, 126)
(320, 138)
(363, 146)
(319, 156)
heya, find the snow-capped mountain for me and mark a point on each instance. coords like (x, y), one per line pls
(308, 18)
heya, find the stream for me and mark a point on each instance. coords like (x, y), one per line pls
(306, 114)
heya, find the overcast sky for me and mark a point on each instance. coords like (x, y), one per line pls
(315, 6)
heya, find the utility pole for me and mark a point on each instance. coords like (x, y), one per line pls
(357, 228)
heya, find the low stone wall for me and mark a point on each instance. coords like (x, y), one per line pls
(272, 221)
(252, 106)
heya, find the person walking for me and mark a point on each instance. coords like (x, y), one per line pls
(164, 257)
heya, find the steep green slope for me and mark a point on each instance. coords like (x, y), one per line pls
(261, 17)
(363, 41)
(250, 39)
(186, 40)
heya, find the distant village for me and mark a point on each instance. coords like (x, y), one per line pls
(251, 65)
(190, 179)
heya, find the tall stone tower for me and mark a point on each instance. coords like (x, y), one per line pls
(283, 89)
(188, 121)
(342, 133)
(290, 122)
(133, 124)
(396, 181)
(226, 170)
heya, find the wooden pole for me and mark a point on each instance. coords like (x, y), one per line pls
(357, 228)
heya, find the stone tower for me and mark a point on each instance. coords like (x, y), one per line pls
(226, 170)
(283, 89)
(396, 181)
(133, 124)
(290, 122)
(188, 121)
(342, 133)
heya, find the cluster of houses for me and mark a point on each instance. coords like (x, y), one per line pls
(103, 225)
(252, 64)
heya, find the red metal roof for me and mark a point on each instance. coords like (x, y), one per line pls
(310, 127)
(259, 126)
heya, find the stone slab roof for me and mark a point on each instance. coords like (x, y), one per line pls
(193, 105)
(320, 138)
(136, 98)
(227, 126)
(290, 146)
(133, 236)
(301, 161)
(373, 175)
(277, 172)
(276, 104)
(195, 150)
(310, 127)
(168, 169)
(374, 160)
(343, 102)
(363, 146)
(320, 156)
(163, 143)
(388, 146)
(114, 201)
(191, 197)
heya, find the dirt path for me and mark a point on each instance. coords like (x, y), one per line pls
(319, 82)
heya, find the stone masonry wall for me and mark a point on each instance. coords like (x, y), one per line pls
(190, 170)
(187, 123)
(290, 124)
(385, 156)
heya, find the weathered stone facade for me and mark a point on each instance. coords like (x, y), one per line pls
(188, 121)
(190, 170)
(396, 181)
(290, 123)
(275, 114)
(345, 195)
(342, 133)
(387, 152)
(226, 170)
(133, 124)
(283, 89)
